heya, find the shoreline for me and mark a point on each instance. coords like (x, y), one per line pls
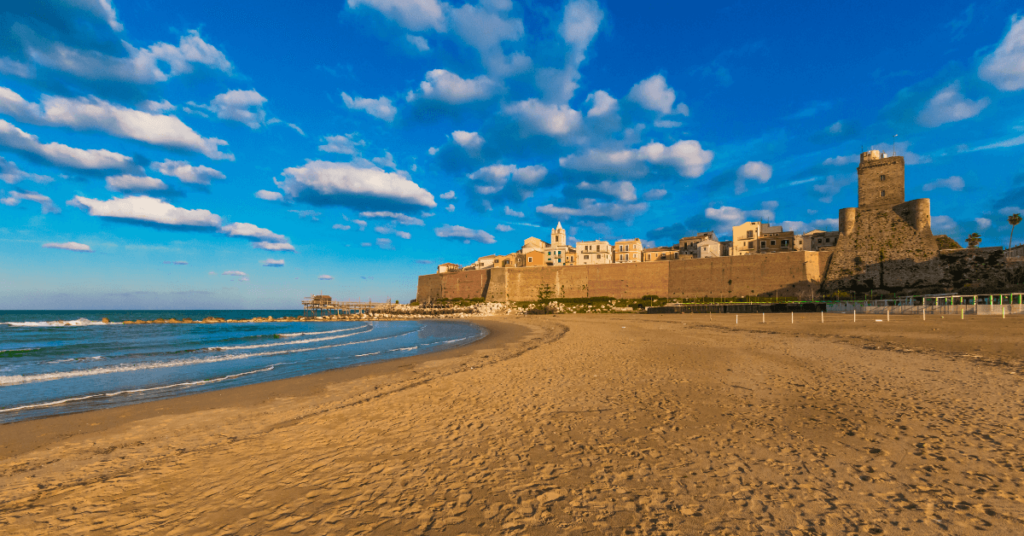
(25, 436)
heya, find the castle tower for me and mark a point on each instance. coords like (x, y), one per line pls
(880, 182)
(558, 236)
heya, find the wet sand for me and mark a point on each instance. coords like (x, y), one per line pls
(583, 424)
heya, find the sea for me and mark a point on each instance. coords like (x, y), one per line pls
(58, 362)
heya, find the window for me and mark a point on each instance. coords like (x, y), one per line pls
(586, 257)
(819, 240)
(882, 177)
(785, 242)
(883, 193)
(529, 259)
(773, 242)
(827, 240)
(750, 234)
(762, 243)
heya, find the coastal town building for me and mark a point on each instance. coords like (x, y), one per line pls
(448, 267)
(667, 253)
(559, 253)
(777, 242)
(745, 236)
(818, 240)
(593, 252)
(630, 250)
(700, 246)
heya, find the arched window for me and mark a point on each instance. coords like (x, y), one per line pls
(883, 193)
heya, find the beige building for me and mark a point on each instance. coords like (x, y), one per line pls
(817, 240)
(593, 252)
(701, 246)
(630, 250)
(779, 242)
(559, 253)
(745, 236)
(448, 267)
(666, 253)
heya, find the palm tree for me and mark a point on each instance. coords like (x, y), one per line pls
(1014, 219)
(973, 240)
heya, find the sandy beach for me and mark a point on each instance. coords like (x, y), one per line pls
(568, 424)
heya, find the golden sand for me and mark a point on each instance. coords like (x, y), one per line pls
(582, 424)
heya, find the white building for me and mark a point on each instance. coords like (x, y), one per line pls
(593, 252)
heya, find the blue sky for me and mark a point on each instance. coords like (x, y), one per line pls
(247, 154)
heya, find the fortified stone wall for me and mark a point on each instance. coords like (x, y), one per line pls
(789, 274)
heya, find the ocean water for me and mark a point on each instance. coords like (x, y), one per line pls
(55, 362)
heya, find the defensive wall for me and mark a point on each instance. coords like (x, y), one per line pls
(795, 274)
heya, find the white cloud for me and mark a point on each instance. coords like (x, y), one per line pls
(45, 203)
(492, 179)
(341, 182)
(386, 161)
(464, 233)
(248, 230)
(311, 214)
(380, 108)
(242, 105)
(91, 113)
(513, 213)
(10, 174)
(70, 246)
(841, 160)
(432, 151)
(580, 23)
(267, 195)
(655, 95)
(140, 66)
(156, 107)
(655, 194)
(1004, 67)
(535, 117)
(471, 141)
(274, 246)
(388, 230)
(418, 41)
(943, 224)
(754, 170)
(450, 194)
(1007, 211)
(1010, 142)
(325, 277)
(621, 190)
(448, 87)
(186, 172)
(593, 209)
(983, 223)
(384, 243)
(485, 28)
(273, 262)
(665, 123)
(949, 106)
(134, 183)
(61, 155)
(343, 144)
(826, 224)
(728, 217)
(831, 187)
(414, 15)
(504, 228)
(235, 273)
(686, 157)
(450, 208)
(604, 104)
(146, 209)
(398, 217)
(341, 227)
(955, 183)
(361, 223)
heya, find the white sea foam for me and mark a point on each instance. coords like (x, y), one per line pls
(133, 391)
(319, 332)
(19, 379)
(19, 350)
(61, 323)
(302, 341)
(76, 359)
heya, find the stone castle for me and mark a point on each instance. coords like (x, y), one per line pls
(883, 246)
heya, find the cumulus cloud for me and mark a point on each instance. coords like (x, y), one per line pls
(414, 15)
(342, 144)
(45, 203)
(341, 227)
(61, 155)
(842, 160)
(352, 183)
(594, 209)
(361, 223)
(949, 105)
(146, 209)
(398, 217)
(267, 195)
(91, 113)
(955, 183)
(654, 94)
(450, 194)
(831, 187)
(311, 214)
(943, 224)
(386, 161)
(157, 63)
(70, 246)
(504, 228)
(513, 213)
(470, 141)
(580, 22)
(450, 208)
(485, 28)
(248, 230)
(491, 179)
(235, 273)
(380, 108)
(621, 190)
(384, 243)
(603, 104)
(448, 87)
(536, 117)
(418, 41)
(655, 194)
(465, 234)
(10, 174)
(728, 217)
(134, 183)
(325, 277)
(242, 105)
(758, 171)
(273, 246)
(389, 230)
(1004, 67)
(276, 263)
(687, 157)
(983, 223)
(186, 172)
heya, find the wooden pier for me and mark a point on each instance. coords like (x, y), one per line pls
(321, 304)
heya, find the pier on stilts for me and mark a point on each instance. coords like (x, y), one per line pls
(321, 304)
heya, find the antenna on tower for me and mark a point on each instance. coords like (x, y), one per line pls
(894, 136)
